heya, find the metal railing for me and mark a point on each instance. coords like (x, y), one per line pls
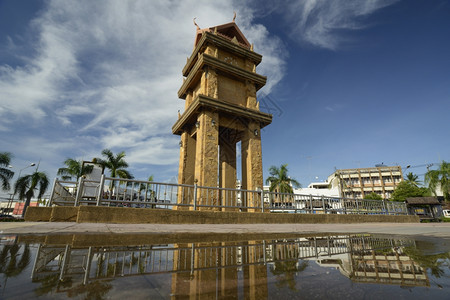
(63, 192)
(284, 202)
(119, 192)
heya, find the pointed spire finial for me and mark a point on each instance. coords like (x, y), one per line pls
(198, 28)
(234, 17)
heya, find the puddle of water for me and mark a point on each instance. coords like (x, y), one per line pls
(225, 267)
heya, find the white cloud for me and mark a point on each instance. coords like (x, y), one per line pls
(318, 22)
(106, 74)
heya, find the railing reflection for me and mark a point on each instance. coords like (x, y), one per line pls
(231, 269)
(228, 268)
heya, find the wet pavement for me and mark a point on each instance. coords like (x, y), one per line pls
(441, 230)
(263, 261)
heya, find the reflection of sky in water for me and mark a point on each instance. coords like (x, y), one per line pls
(334, 267)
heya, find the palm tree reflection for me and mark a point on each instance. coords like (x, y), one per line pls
(436, 263)
(12, 262)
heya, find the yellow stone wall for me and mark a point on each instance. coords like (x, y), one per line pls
(123, 215)
(198, 89)
(233, 91)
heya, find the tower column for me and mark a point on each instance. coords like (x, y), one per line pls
(186, 169)
(228, 276)
(255, 273)
(227, 171)
(252, 173)
(206, 162)
(182, 257)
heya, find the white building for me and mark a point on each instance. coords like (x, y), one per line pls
(315, 189)
(318, 189)
(356, 183)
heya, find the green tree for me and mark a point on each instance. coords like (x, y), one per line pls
(373, 196)
(26, 185)
(5, 174)
(280, 181)
(412, 178)
(407, 189)
(439, 178)
(116, 164)
(74, 168)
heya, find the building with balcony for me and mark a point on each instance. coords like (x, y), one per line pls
(356, 183)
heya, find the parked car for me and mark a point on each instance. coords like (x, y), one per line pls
(446, 213)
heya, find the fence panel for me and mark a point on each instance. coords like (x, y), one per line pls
(118, 192)
(63, 193)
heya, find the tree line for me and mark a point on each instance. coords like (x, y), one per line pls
(36, 184)
(279, 181)
(411, 186)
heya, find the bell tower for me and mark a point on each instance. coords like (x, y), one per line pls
(219, 87)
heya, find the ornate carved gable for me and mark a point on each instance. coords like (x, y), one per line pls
(229, 30)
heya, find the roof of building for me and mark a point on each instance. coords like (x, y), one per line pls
(228, 30)
(370, 169)
(317, 184)
(422, 200)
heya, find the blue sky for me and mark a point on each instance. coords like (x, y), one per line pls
(351, 83)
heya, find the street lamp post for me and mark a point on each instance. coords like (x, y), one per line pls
(14, 194)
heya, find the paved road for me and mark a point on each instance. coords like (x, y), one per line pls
(441, 230)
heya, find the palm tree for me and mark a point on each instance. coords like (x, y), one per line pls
(412, 178)
(280, 181)
(75, 168)
(26, 185)
(146, 187)
(439, 178)
(149, 194)
(5, 174)
(115, 163)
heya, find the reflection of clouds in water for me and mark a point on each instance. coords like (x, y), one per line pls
(170, 266)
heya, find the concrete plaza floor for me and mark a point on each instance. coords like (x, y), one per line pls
(436, 230)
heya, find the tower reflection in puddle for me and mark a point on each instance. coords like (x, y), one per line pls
(231, 269)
